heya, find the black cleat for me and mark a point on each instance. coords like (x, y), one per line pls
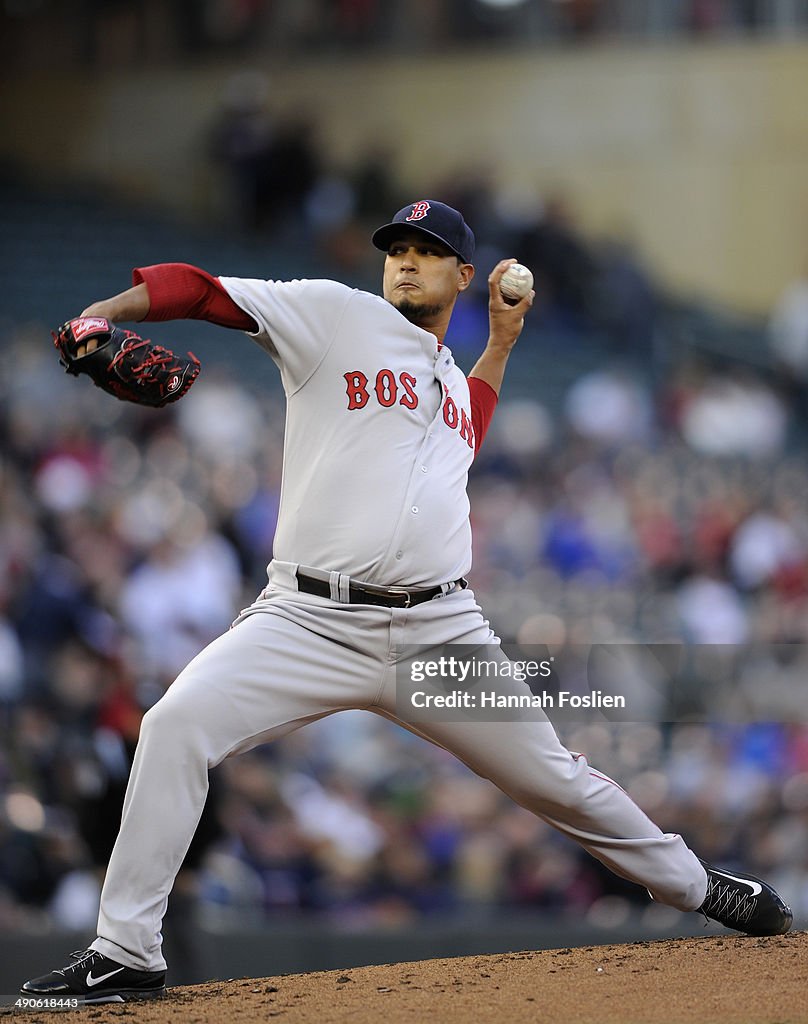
(94, 978)
(744, 902)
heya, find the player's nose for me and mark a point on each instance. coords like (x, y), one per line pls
(409, 258)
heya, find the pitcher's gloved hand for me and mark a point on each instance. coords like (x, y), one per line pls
(123, 363)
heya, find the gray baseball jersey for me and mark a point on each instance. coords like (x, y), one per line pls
(379, 436)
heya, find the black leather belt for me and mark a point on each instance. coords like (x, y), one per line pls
(319, 583)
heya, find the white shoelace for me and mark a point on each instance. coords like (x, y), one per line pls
(728, 902)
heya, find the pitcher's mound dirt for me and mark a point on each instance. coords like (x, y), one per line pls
(711, 980)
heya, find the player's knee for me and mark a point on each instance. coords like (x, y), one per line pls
(151, 723)
(559, 782)
(185, 727)
(169, 740)
(163, 720)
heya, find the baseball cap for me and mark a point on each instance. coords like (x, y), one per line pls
(435, 219)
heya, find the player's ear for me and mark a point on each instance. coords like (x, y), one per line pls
(465, 273)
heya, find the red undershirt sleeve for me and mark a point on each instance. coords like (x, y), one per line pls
(180, 291)
(483, 402)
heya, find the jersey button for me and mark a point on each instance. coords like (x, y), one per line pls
(414, 510)
(399, 554)
(424, 469)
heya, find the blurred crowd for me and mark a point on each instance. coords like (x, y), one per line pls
(640, 507)
(126, 32)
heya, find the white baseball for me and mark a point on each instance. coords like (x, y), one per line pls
(516, 282)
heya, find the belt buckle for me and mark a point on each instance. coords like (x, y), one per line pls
(404, 592)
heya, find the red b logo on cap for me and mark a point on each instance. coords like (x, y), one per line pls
(419, 210)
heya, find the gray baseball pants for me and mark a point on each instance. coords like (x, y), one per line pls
(292, 658)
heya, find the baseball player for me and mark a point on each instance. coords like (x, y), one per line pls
(372, 548)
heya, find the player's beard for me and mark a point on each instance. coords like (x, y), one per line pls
(418, 313)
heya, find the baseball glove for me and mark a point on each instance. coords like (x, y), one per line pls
(123, 363)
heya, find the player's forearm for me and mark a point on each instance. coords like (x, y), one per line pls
(505, 321)
(174, 291)
(133, 304)
(490, 367)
